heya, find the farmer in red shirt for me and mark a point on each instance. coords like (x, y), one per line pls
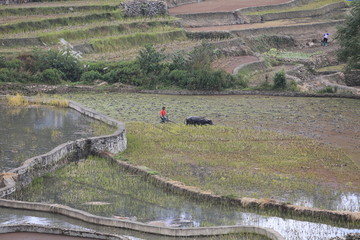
(163, 116)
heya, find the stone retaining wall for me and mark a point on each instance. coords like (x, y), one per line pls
(147, 8)
(32, 228)
(137, 226)
(10, 42)
(65, 153)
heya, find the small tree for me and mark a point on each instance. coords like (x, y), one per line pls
(280, 80)
(201, 57)
(150, 60)
(348, 36)
(62, 60)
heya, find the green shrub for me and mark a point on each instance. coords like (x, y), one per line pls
(279, 80)
(90, 76)
(13, 75)
(179, 78)
(9, 63)
(209, 80)
(293, 86)
(201, 57)
(63, 61)
(50, 76)
(7, 75)
(150, 60)
(124, 72)
(179, 61)
(328, 89)
(241, 82)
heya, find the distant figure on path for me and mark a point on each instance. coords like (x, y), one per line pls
(163, 116)
(325, 39)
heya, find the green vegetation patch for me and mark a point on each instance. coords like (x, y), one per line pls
(135, 40)
(54, 10)
(55, 22)
(280, 54)
(106, 30)
(230, 161)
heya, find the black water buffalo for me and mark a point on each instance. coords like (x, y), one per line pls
(198, 121)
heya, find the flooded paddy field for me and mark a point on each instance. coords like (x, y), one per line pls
(29, 131)
(310, 157)
(100, 187)
(306, 147)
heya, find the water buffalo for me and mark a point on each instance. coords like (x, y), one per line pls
(198, 121)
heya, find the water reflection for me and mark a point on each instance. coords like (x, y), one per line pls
(102, 188)
(29, 131)
(338, 201)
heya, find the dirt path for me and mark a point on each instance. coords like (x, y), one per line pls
(230, 63)
(221, 6)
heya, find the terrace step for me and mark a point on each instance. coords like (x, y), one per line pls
(306, 28)
(289, 10)
(51, 22)
(77, 33)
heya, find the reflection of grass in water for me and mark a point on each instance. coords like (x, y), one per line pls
(294, 156)
(99, 180)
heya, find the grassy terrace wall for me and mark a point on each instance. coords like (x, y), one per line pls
(67, 152)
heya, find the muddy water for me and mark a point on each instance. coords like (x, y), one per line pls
(30, 131)
(102, 188)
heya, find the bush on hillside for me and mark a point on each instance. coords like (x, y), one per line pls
(209, 80)
(125, 72)
(179, 78)
(90, 76)
(280, 80)
(201, 57)
(50, 76)
(150, 60)
(7, 75)
(9, 63)
(348, 36)
(62, 60)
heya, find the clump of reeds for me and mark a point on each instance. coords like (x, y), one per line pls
(17, 100)
(56, 101)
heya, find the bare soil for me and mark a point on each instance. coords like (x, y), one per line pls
(221, 6)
